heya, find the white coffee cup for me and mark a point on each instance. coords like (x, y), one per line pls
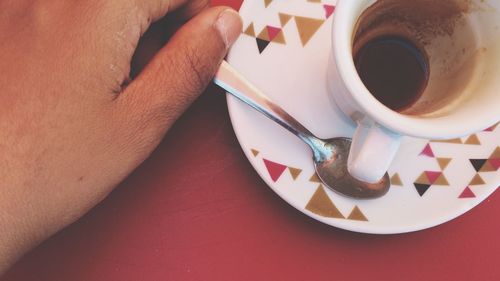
(471, 103)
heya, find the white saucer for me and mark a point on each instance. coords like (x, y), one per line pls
(284, 52)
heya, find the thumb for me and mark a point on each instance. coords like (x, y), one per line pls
(181, 70)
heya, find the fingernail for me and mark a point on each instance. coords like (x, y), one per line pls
(229, 26)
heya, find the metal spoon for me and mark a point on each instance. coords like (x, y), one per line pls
(329, 156)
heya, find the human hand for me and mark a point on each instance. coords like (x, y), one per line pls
(75, 117)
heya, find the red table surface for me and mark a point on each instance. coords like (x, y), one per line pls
(196, 210)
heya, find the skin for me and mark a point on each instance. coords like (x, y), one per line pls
(84, 100)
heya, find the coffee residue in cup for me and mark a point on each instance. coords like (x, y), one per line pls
(394, 70)
(422, 20)
(440, 30)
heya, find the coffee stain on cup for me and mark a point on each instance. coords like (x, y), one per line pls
(423, 20)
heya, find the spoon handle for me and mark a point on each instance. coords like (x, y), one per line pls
(235, 84)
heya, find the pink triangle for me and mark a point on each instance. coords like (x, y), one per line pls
(428, 151)
(490, 129)
(467, 193)
(495, 163)
(329, 10)
(433, 176)
(273, 31)
(275, 170)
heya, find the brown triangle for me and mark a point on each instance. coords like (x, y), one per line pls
(255, 152)
(477, 180)
(294, 172)
(250, 30)
(473, 139)
(267, 2)
(315, 178)
(458, 141)
(423, 179)
(357, 215)
(496, 153)
(487, 167)
(441, 180)
(264, 34)
(321, 205)
(280, 38)
(396, 180)
(307, 27)
(443, 163)
(284, 19)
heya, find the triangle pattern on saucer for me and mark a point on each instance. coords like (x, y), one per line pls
(478, 164)
(454, 141)
(284, 19)
(357, 215)
(307, 27)
(320, 204)
(473, 140)
(492, 128)
(422, 188)
(427, 151)
(250, 31)
(444, 162)
(274, 169)
(494, 160)
(295, 172)
(329, 9)
(396, 180)
(477, 180)
(315, 178)
(262, 44)
(467, 193)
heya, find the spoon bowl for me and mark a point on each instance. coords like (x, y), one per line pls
(332, 171)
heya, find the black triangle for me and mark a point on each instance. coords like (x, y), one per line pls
(478, 163)
(262, 44)
(422, 188)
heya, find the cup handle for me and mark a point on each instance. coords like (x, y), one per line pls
(372, 150)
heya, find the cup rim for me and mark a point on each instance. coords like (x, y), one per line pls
(443, 127)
